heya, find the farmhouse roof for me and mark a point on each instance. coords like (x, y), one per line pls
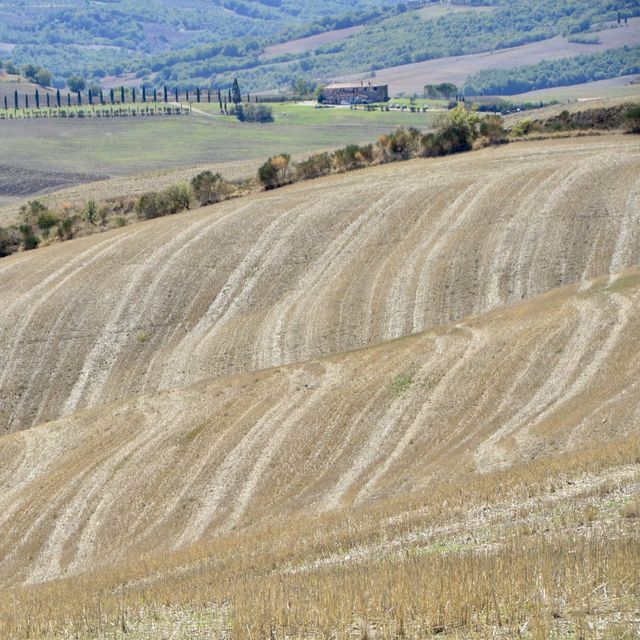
(352, 85)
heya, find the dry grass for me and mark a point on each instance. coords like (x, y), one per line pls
(463, 560)
(479, 479)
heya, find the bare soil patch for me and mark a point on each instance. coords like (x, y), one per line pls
(309, 43)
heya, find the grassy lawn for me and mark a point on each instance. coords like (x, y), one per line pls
(125, 146)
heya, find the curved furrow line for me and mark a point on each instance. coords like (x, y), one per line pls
(99, 362)
(46, 290)
(425, 288)
(294, 321)
(403, 287)
(372, 445)
(92, 484)
(109, 484)
(225, 480)
(240, 282)
(429, 409)
(307, 402)
(627, 246)
(565, 381)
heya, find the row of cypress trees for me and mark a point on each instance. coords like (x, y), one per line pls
(142, 95)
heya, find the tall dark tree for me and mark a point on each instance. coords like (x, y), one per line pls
(133, 95)
(144, 93)
(15, 99)
(6, 105)
(112, 95)
(229, 99)
(220, 98)
(236, 96)
(68, 99)
(121, 95)
(166, 94)
(90, 97)
(37, 99)
(208, 95)
(79, 99)
(58, 98)
(197, 94)
(26, 100)
(155, 95)
(187, 95)
(176, 93)
(48, 101)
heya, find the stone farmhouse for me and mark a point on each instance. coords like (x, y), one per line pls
(362, 92)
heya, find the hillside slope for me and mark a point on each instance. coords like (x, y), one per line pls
(157, 473)
(321, 267)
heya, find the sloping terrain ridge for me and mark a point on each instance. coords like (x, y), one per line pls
(165, 471)
(317, 268)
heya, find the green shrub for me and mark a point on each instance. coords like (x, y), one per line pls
(66, 229)
(314, 166)
(31, 211)
(29, 239)
(9, 241)
(275, 171)
(209, 187)
(632, 119)
(492, 128)
(46, 221)
(353, 157)
(178, 198)
(91, 212)
(458, 129)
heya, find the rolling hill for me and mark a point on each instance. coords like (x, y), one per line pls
(320, 267)
(396, 402)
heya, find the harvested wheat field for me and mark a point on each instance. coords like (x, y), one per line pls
(401, 402)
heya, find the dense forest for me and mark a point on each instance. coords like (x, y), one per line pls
(556, 73)
(209, 42)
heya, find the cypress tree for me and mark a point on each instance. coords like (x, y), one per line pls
(176, 92)
(48, 101)
(236, 95)
(58, 100)
(68, 99)
(220, 98)
(197, 94)
(165, 93)
(90, 97)
(208, 95)
(229, 95)
(26, 100)
(79, 98)
(37, 99)
(144, 93)
(112, 95)
(121, 95)
(101, 98)
(6, 106)
(155, 95)
(15, 99)
(187, 95)
(133, 95)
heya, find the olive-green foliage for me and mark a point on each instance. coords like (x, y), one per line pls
(9, 241)
(632, 118)
(29, 239)
(31, 211)
(46, 221)
(492, 128)
(275, 172)
(253, 112)
(353, 157)
(91, 212)
(319, 164)
(155, 204)
(457, 130)
(209, 187)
